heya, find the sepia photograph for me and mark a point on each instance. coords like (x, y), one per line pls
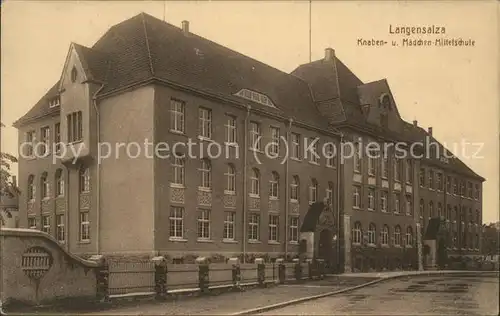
(311, 157)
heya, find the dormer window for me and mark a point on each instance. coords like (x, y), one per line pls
(74, 74)
(385, 101)
(255, 97)
(54, 102)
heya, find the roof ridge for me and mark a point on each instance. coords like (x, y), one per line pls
(147, 43)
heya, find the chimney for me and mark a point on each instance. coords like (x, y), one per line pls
(429, 130)
(329, 54)
(185, 27)
(415, 123)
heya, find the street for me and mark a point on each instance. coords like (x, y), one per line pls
(439, 295)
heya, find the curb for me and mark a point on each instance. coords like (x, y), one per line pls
(381, 279)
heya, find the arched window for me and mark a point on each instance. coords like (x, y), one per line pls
(372, 234)
(74, 74)
(470, 219)
(422, 208)
(409, 205)
(357, 233)
(31, 188)
(313, 191)
(44, 184)
(230, 179)
(84, 179)
(255, 182)
(178, 170)
(294, 188)
(205, 174)
(409, 236)
(397, 236)
(440, 210)
(329, 192)
(431, 209)
(59, 183)
(384, 236)
(455, 211)
(274, 185)
(448, 212)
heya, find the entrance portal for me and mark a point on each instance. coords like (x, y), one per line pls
(325, 249)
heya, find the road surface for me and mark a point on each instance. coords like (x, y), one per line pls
(439, 295)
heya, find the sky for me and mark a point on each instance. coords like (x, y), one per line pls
(452, 89)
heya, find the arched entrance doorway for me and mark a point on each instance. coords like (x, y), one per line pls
(325, 248)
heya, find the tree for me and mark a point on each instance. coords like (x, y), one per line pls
(7, 188)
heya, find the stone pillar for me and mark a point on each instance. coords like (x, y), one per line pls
(347, 244)
(236, 272)
(102, 278)
(281, 270)
(203, 279)
(261, 271)
(160, 277)
(297, 270)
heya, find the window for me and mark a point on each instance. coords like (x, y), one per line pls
(205, 123)
(409, 171)
(448, 184)
(46, 224)
(31, 188)
(422, 177)
(59, 183)
(385, 167)
(229, 225)
(30, 143)
(372, 234)
(204, 224)
(313, 154)
(329, 193)
(273, 185)
(255, 182)
(75, 127)
(462, 188)
(84, 226)
(44, 183)
(384, 236)
(439, 182)
(409, 205)
(313, 191)
(431, 179)
(60, 234)
(177, 112)
(273, 228)
(275, 142)
(230, 179)
(32, 222)
(440, 210)
(230, 129)
(422, 208)
(383, 201)
(54, 102)
(448, 212)
(357, 233)
(294, 229)
(255, 136)
(205, 174)
(455, 186)
(253, 227)
(178, 170)
(397, 207)
(255, 97)
(330, 156)
(295, 146)
(84, 180)
(294, 189)
(371, 199)
(397, 169)
(397, 236)
(176, 222)
(469, 190)
(409, 236)
(431, 209)
(371, 165)
(74, 74)
(356, 196)
(478, 217)
(45, 139)
(357, 158)
(476, 193)
(57, 137)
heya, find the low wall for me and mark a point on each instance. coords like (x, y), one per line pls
(36, 270)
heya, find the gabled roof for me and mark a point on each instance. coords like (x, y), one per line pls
(41, 108)
(145, 48)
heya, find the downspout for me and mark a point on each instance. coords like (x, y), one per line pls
(67, 210)
(245, 165)
(98, 180)
(340, 171)
(287, 181)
